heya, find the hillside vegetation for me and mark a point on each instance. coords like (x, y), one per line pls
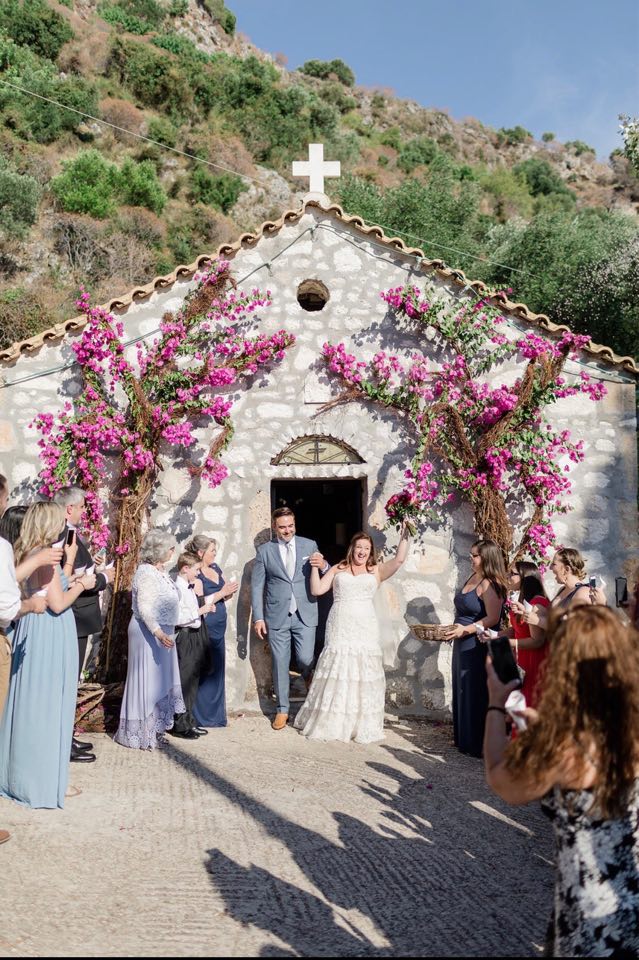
(83, 203)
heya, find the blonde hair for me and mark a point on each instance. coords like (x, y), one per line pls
(42, 525)
(590, 696)
(573, 560)
(199, 544)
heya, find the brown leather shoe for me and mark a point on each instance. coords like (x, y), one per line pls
(4, 836)
(280, 721)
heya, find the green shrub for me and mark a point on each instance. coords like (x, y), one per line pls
(509, 192)
(391, 138)
(335, 94)
(155, 79)
(30, 117)
(139, 186)
(181, 46)
(220, 191)
(513, 135)
(33, 24)
(221, 15)
(19, 198)
(416, 152)
(134, 16)
(541, 177)
(578, 147)
(91, 184)
(162, 130)
(178, 8)
(547, 137)
(87, 184)
(325, 68)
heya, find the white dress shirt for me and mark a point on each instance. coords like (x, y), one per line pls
(10, 599)
(188, 615)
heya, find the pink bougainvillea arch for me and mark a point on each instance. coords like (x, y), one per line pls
(130, 411)
(488, 442)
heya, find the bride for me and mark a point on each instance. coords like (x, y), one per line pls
(346, 698)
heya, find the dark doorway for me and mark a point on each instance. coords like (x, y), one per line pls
(329, 512)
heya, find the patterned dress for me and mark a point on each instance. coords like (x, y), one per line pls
(596, 907)
(153, 693)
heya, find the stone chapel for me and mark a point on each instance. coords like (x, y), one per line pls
(336, 467)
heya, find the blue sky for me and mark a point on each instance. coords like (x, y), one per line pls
(566, 66)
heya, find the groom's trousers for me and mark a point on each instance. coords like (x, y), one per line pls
(302, 638)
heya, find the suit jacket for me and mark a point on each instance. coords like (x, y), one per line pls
(271, 586)
(86, 609)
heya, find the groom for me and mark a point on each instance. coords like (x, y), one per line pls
(283, 606)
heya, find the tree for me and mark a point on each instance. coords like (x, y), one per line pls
(491, 445)
(127, 414)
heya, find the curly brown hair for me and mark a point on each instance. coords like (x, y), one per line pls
(590, 699)
(372, 558)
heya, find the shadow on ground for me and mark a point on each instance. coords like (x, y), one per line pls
(441, 868)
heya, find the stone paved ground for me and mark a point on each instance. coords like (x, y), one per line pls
(252, 843)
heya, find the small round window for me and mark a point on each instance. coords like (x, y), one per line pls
(312, 295)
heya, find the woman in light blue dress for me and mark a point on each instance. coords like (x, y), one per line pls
(37, 724)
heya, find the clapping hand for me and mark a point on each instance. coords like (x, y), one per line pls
(230, 588)
(49, 556)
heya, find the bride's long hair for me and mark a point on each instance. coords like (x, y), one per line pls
(372, 558)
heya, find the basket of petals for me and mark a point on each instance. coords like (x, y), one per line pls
(430, 631)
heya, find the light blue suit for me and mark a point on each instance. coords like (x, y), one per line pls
(271, 591)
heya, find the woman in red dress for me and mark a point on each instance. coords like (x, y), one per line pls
(530, 643)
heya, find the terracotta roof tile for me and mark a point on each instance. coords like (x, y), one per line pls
(271, 227)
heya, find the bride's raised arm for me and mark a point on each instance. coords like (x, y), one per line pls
(386, 570)
(323, 584)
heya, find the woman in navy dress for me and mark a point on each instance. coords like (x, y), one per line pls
(478, 606)
(210, 705)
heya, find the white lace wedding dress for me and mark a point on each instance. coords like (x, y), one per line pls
(346, 699)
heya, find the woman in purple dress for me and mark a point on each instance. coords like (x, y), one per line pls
(153, 693)
(210, 705)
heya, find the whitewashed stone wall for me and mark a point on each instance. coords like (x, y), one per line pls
(285, 403)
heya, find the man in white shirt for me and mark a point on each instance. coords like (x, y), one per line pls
(192, 643)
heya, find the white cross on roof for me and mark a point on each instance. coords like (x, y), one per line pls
(316, 168)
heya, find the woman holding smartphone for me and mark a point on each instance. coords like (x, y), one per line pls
(37, 725)
(478, 607)
(569, 569)
(580, 753)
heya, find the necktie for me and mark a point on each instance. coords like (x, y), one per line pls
(290, 560)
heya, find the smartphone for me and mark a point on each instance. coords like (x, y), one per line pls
(621, 591)
(592, 583)
(70, 536)
(504, 660)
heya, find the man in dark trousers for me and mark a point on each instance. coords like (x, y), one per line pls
(86, 609)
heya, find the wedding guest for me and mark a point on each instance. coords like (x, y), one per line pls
(347, 694)
(569, 569)
(192, 644)
(152, 693)
(580, 753)
(86, 609)
(35, 738)
(210, 705)
(531, 648)
(478, 606)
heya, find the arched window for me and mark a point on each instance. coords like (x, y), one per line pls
(316, 450)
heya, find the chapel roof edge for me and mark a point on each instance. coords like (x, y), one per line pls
(228, 250)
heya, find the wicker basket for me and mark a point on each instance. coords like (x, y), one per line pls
(430, 631)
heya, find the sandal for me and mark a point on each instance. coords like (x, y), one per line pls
(73, 792)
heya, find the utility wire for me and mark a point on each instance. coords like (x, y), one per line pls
(139, 136)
